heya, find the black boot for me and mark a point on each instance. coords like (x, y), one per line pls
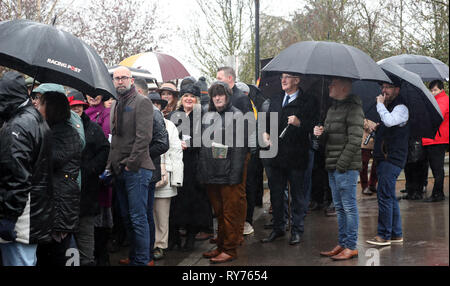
(190, 239)
(101, 235)
(174, 239)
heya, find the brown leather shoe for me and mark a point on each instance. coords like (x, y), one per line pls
(338, 249)
(221, 258)
(127, 261)
(346, 254)
(212, 253)
(213, 240)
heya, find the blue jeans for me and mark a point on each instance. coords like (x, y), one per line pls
(150, 218)
(343, 190)
(389, 219)
(132, 194)
(18, 254)
(278, 178)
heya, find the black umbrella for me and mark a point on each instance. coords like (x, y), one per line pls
(368, 91)
(51, 55)
(425, 116)
(427, 68)
(327, 59)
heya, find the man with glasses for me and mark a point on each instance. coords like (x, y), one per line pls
(390, 153)
(296, 112)
(129, 161)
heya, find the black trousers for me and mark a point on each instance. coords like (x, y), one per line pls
(435, 157)
(415, 174)
(278, 179)
(320, 189)
(254, 185)
(53, 253)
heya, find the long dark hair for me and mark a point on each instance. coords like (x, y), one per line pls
(57, 107)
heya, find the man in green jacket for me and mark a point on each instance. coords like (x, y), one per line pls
(342, 135)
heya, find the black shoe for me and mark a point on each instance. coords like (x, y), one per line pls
(268, 225)
(273, 235)
(295, 239)
(189, 243)
(313, 206)
(174, 240)
(433, 199)
(331, 211)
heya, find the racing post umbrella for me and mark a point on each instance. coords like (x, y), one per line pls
(54, 56)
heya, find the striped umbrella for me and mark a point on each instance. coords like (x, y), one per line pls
(162, 66)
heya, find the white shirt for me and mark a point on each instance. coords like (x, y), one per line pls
(398, 116)
(291, 97)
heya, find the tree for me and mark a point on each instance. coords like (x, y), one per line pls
(271, 43)
(224, 36)
(118, 29)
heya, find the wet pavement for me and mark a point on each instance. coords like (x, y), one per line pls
(425, 228)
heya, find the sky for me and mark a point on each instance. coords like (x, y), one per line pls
(181, 12)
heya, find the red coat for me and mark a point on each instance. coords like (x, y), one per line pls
(442, 135)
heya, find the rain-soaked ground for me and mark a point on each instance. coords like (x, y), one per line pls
(425, 228)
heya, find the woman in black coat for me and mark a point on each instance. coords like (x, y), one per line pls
(190, 208)
(94, 157)
(66, 161)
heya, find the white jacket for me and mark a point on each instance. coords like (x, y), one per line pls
(171, 165)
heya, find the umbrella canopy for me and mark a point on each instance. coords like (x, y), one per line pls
(51, 55)
(427, 68)
(162, 66)
(328, 59)
(425, 116)
(368, 92)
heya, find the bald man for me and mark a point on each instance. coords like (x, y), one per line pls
(129, 161)
(342, 133)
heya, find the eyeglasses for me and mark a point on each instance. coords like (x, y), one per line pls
(288, 76)
(122, 78)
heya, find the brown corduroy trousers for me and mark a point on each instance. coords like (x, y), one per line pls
(230, 207)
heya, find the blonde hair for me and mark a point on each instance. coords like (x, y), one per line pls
(180, 101)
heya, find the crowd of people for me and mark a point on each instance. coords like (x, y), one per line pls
(156, 165)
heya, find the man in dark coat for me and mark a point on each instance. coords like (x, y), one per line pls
(26, 193)
(296, 112)
(238, 99)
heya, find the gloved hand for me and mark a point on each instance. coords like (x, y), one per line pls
(106, 177)
(7, 231)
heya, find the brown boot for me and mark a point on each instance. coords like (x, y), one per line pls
(338, 249)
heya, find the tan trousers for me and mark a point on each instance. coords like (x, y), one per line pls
(230, 206)
(161, 211)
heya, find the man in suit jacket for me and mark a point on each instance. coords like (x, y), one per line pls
(296, 113)
(130, 162)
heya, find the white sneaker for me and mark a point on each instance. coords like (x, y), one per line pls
(248, 228)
